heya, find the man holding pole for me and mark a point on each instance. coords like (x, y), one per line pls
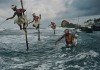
(36, 19)
(21, 19)
(36, 24)
(53, 26)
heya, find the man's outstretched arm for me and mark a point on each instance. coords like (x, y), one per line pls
(31, 21)
(12, 16)
(59, 39)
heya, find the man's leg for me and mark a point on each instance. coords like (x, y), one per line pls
(19, 23)
(38, 26)
(19, 26)
(33, 25)
(24, 26)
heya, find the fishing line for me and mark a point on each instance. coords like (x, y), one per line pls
(2, 22)
(3, 17)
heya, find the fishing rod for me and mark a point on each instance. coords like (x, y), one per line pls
(2, 22)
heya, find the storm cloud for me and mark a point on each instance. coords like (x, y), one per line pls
(53, 10)
(83, 8)
(4, 4)
(56, 8)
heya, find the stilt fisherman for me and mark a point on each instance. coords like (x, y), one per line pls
(36, 20)
(21, 19)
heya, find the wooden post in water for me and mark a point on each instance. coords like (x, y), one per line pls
(25, 28)
(38, 34)
(26, 39)
(54, 31)
(39, 28)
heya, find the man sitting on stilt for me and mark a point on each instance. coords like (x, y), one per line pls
(21, 19)
(36, 19)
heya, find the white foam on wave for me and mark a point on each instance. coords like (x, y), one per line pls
(17, 59)
(2, 29)
(59, 28)
(1, 60)
(13, 39)
(63, 55)
(93, 53)
(80, 56)
(44, 37)
(59, 46)
(13, 29)
(78, 30)
(76, 66)
(83, 55)
(30, 63)
(34, 38)
(59, 65)
(43, 67)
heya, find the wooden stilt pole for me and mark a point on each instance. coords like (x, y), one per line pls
(26, 39)
(54, 31)
(38, 34)
(25, 28)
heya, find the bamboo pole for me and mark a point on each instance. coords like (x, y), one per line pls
(54, 31)
(25, 29)
(38, 34)
(26, 39)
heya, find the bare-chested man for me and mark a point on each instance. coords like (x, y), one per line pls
(53, 25)
(36, 19)
(19, 13)
(68, 38)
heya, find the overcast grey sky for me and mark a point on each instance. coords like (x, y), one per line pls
(52, 10)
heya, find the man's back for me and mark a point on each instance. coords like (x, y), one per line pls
(19, 12)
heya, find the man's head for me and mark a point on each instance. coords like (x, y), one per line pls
(66, 31)
(52, 23)
(33, 14)
(13, 7)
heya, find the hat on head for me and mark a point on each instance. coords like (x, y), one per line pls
(66, 30)
(13, 6)
(70, 32)
(33, 14)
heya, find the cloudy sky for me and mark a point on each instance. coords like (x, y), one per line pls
(52, 10)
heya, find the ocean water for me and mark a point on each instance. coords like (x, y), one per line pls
(44, 54)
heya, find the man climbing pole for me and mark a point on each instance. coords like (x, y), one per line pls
(53, 26)
(21, 19)
(36, 24)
